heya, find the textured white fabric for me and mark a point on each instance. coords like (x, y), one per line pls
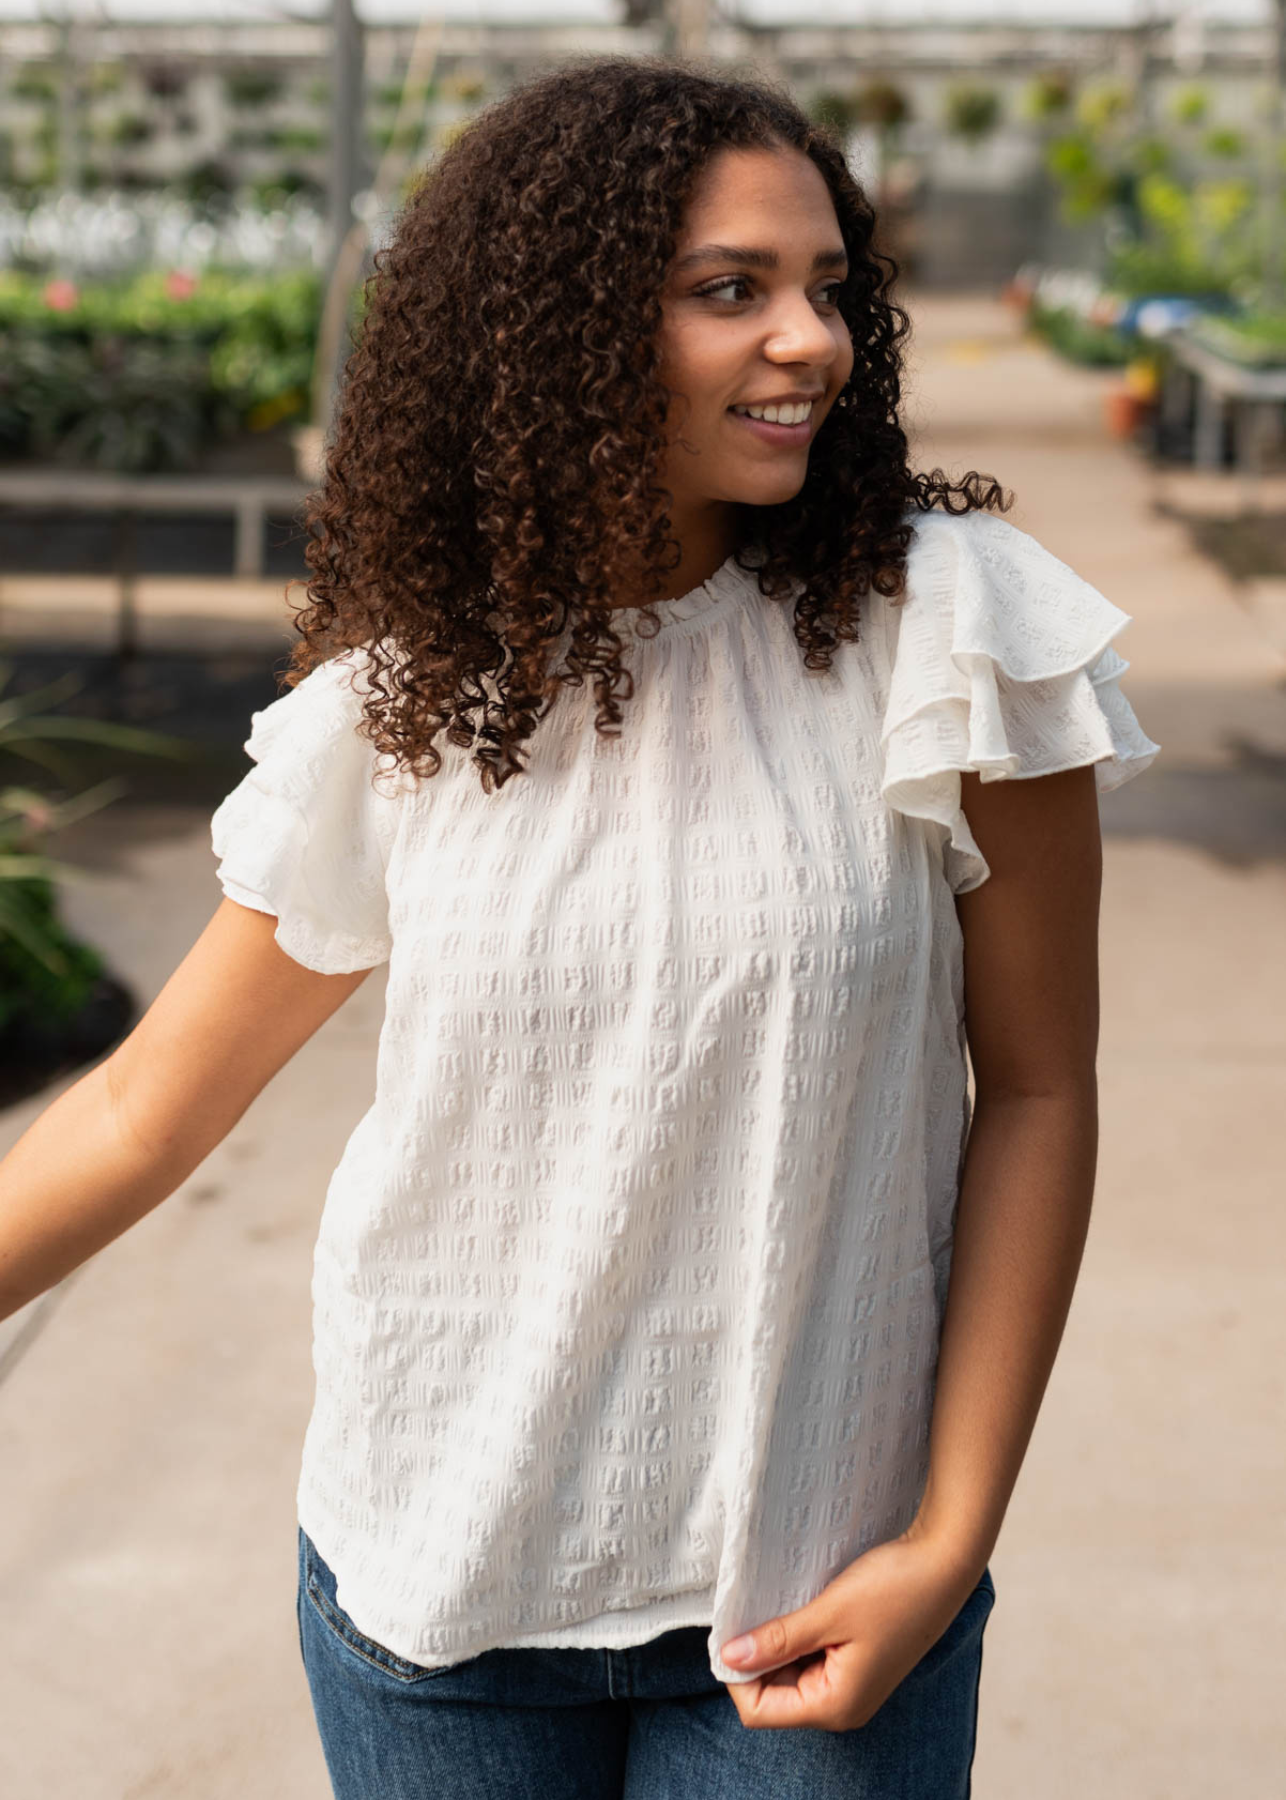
(628, 1284)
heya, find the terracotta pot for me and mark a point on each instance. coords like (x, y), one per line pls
(1123, 411)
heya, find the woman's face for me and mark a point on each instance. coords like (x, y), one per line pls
(750, 317)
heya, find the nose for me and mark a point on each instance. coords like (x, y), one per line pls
(798, 334)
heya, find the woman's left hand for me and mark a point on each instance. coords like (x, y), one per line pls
(851, 1646)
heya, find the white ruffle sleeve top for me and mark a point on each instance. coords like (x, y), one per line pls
(628, 1284)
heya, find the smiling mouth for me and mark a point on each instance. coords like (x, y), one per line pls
(772, 432)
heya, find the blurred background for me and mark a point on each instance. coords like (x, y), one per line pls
(1087, 203)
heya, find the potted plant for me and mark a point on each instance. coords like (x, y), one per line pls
(60, 1006)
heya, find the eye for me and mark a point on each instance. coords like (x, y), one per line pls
(832, 289)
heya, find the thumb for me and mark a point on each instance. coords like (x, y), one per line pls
(780, 1640)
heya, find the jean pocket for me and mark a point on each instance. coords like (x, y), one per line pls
(319, 1589)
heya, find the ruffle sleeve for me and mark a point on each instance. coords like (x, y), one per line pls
(1002, 663)
(306, 834)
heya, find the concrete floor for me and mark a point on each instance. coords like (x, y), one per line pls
(154, 1406)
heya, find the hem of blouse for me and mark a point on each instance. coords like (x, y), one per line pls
(626, 1629)
(336, 955)
(622, 1630)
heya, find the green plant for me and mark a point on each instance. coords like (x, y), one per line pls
(269, 191)
(1195, 239)
(166, 81)
(304, 139)
(1223, 141)
(404, 137)
(882, 104)
(1104, 105)
(1079, 339)
(249, 88)
(1255, 338)
(44, 971)
(207, 184)
(1088, 185)
(836, 110)
(466, 85)
(104, 78)
(129, 128)
(141, 374)
(34, 84)
(1046, 96)
(116, 404)
(1190, 105)
(882, 107)
(971, 112)
(251, 137)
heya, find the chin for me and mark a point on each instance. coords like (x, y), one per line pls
(768, 493)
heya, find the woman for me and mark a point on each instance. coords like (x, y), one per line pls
(680, 1329)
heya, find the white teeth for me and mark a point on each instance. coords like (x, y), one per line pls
(792, 414)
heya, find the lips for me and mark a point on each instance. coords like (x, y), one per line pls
(785, 436)
(783, 400)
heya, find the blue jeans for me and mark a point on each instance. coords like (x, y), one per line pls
(648, 1723)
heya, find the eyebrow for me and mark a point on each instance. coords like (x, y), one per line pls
(752, 258)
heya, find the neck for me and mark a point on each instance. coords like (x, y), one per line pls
(705, 546)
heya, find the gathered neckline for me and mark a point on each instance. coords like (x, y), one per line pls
(726, 584)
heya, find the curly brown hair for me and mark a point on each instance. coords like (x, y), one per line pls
(494, 459)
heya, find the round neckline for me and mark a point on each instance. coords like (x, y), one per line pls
(727, 581)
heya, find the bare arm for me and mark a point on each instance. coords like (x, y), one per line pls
(1032, 1019)
(127, 1134)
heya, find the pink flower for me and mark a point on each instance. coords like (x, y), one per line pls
(61, 295)
(180, 285)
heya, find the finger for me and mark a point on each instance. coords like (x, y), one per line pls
(795, 1696)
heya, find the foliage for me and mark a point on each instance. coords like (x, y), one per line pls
(1047, 95)
(305, 139)
(466, 85)
(882, 104)
(836, 111)
(127, 129)
(140, 374)
(1173, 224)
(971, 112)
(103, 78)
(270, 191)
(1190, 105)
(1195, 240)
(34, 84)
(45, 973)
(1256, 338)
(1079, 339)
(1104, 105)
(403, 137)
(1088, 184)
(110, 403)
(206, 184)
(389, 96)
(251, 87)
(1223, 140)
(56, 982)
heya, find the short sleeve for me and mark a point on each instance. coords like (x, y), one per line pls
(1002, 663)
(306, 834)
